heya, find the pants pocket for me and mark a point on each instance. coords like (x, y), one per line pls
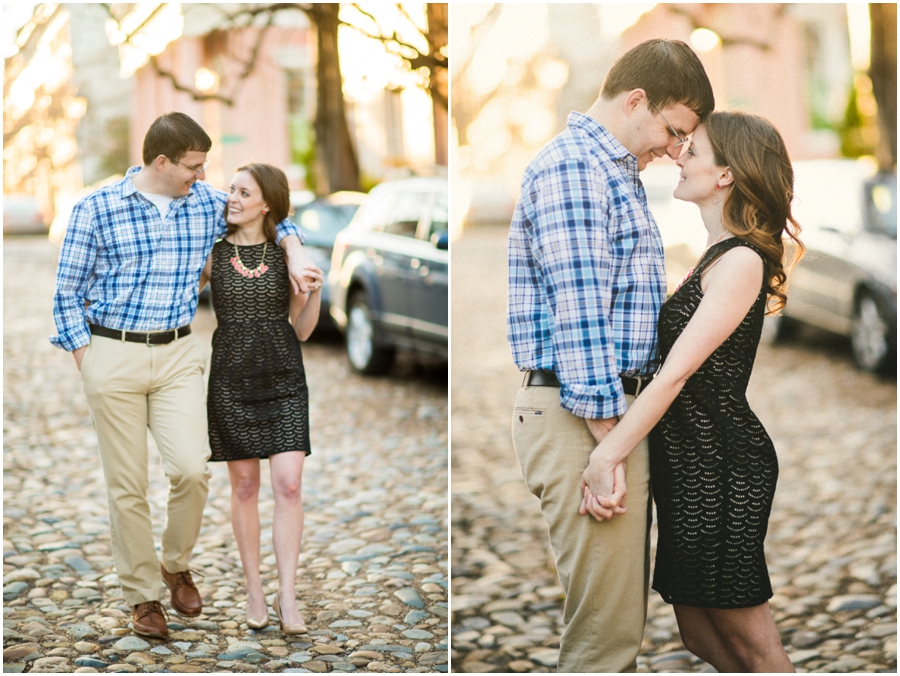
(87, 362)
(521, 413)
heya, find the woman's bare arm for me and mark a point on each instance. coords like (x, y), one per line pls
(731, 288)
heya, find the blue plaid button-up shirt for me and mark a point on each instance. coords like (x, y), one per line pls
(135, 270)
(586, 269)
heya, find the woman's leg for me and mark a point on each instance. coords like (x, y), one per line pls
(244, 475)
(287, 526)
(753, 638)
(701, 637)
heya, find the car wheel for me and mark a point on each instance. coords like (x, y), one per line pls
(869, 337)
(365, 355)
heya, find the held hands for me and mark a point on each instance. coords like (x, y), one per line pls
(297, 272)
(314, 277)
(603, 488)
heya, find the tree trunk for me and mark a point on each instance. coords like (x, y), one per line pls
(336, 152)
(883, 71)
(437, 32)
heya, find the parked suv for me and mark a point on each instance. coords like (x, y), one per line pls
(321, 219)
(389, 274)
(847, 282)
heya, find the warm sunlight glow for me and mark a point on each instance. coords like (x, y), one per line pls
(47, 69)
(704, 40)
(366, 66)
(859, 27)
(152, 36)
(615, 18)
(520, 33)
(205, 80)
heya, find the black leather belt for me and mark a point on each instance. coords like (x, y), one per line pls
(156, 338)
(541, 378)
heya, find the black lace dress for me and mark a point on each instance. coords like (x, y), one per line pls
(712, 467)
(257, 404)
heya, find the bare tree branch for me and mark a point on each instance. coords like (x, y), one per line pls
(727, 41)
(432, 60)
(197, 96)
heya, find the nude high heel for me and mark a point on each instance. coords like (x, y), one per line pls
(259, 624)
(291, 629)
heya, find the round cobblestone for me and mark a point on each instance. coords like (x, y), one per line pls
(374, 490)
(831, 542)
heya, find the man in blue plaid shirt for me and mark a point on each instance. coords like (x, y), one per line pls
(586, 282)
(126, 292)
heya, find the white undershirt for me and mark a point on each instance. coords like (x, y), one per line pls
(162, 202)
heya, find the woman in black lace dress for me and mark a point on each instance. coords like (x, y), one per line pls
(712, 465)
(257, 402)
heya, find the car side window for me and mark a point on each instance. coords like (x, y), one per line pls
(881, 203)
(406, 214)
(374, 214)
(439, 216)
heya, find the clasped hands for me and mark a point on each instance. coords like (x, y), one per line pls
(603, 487)
(313, 276)
(305, 276)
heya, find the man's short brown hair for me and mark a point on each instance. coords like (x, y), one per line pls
(668, 71)
(174, 135)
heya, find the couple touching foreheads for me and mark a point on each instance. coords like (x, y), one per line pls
(628, 393)
(135, 257)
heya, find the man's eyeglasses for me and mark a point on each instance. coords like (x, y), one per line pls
(197, 170)
(681, 139)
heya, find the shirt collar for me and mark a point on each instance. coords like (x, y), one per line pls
(601, 136)
(608, 143)
(128, 187)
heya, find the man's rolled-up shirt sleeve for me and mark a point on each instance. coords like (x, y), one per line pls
(73, 275)
(571, 248)
(286, 228)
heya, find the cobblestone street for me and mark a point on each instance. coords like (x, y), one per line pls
(831, 543)
(372, 580)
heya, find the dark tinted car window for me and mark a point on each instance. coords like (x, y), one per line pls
(406, 214)
(439, 219)
(321, 222)
(881, 202)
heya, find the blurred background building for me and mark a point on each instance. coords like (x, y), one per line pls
(340, 95)
(824, 74)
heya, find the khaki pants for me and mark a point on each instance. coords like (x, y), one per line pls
(131, 387)
(603, 566)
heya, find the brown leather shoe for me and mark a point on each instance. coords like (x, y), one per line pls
(149, 619)
(185, 597)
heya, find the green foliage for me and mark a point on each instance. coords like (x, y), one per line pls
(303, 147)
(367, 182)
(114, 157)
(858, 132)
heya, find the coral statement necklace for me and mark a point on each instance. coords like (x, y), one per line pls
(243, 270)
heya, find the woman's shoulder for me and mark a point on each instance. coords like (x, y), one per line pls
(740, 259)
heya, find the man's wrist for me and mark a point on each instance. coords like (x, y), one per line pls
(600, 427)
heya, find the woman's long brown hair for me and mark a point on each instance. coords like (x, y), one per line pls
(758, 206)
